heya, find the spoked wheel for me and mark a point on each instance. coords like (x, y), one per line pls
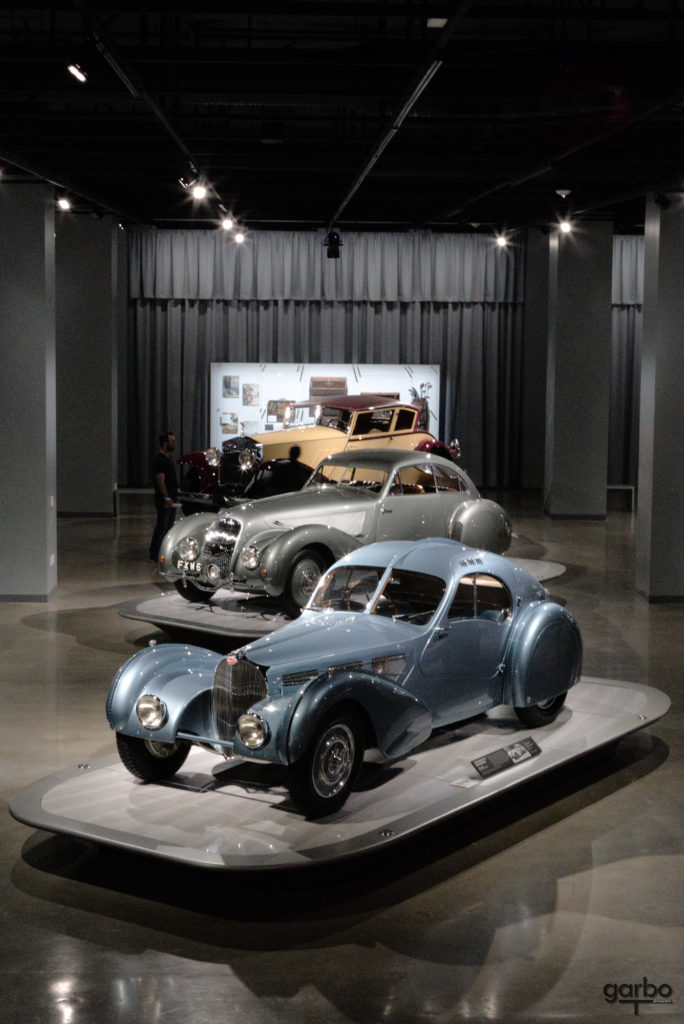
(307, 569)
(151, 760)
(324, 777)
(191, 592)
(543, 713)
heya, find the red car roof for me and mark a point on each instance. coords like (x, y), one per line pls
(354, 402)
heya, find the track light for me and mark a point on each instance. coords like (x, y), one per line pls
(227, 223)
(563, 192)
(565, 226)
(333, 243)
(501, 241)
(199, 192)
(189, 180)
(77, 72)
(240, 237)
(63, 203)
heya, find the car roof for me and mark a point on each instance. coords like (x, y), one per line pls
(384, 458)
(439, 556)
(354, 402)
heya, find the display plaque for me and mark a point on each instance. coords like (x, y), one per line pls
(506, 757)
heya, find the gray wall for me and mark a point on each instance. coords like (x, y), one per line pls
(88, 325)
(28, 534)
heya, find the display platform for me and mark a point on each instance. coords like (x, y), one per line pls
(230, 613)
(240, 817)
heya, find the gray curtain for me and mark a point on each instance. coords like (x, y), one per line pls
(627, 297)
(450, 300)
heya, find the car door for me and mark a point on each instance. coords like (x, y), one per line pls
(412, 508)
(461, 663)
(370, 428)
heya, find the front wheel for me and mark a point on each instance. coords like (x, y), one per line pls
(306, 570)
(151, 760)
(191, 592)
(321, 781)
(543, 713)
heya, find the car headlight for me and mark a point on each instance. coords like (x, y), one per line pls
(247, 460)
(213, 456)
(252, 730)
(188, 549)
(151, 711)
(249, 556)
(213, 572)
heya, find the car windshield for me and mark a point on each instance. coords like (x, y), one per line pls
(406, 596)
(332, 416)
(348, 475)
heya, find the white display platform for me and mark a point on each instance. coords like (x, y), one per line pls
(230, 613)
(241, 818)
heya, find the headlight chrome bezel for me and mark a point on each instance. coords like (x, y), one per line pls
(250, 557)
(213, 457)
(151, 711)
(252, 730)
(247, 460)
(188, 549)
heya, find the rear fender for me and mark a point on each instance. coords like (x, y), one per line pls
(278, 556)
(181, 675)
(481, 523)
(397, 721)
(544, 658)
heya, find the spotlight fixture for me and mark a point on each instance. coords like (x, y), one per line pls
(63, 203)
(333, 243)
(563, 192)
(240, 237)
(662, 200)
(565, 226)
(188, 181)
(199, 191)
(77, 72)
(227, 223)
(501, 241)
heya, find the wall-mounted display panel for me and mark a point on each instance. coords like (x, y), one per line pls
(249, 398)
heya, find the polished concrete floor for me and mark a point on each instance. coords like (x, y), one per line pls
(553, 904)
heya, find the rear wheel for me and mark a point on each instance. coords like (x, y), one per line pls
(306, 570)
(321, 781)
(543, 713)
(191, 592)
(151, 760)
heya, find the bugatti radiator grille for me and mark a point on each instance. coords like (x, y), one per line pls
(237, 685)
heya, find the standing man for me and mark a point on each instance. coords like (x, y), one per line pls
(165, 491)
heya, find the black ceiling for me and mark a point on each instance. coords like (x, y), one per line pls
(357, 113)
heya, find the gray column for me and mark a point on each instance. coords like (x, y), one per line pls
(88, 322)
(660, 505)
(28, 529)
(535, 341)
(578, 372)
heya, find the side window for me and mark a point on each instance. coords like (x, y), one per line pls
(481, 596)
(415, 480)
(448, 479)
(376, 422)
(405, 419)
(463, 604)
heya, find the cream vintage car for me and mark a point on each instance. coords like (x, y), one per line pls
(276, 461)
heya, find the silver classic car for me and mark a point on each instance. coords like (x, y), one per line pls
(399, 638)
(281, 545)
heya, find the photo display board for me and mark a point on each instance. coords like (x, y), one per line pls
(250, 398)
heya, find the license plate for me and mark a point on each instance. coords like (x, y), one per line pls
(192, 568)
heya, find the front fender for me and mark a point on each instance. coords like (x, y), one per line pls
(181, 675)
(191, 526)
(279, 555)
(398, 721)
(481, 523)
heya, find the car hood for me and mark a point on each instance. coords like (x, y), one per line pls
(318, 640)
(295, 435)
(338, 506)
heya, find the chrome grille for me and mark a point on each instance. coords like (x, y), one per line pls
(219, 543)
(238, 683)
